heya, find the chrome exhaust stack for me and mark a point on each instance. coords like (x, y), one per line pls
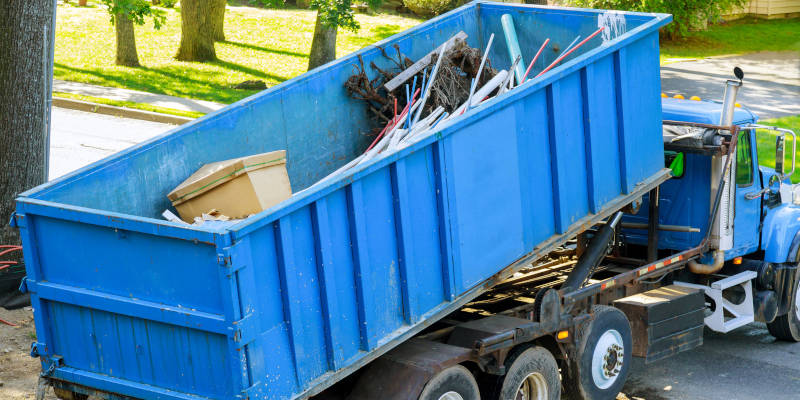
(722, 233)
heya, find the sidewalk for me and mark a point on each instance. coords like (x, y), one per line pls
(160, 100)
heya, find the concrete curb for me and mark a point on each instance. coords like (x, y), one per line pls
(119, 111)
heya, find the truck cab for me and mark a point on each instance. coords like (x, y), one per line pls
(755, 233)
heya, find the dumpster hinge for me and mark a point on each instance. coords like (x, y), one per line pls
(231, 257)
(251, 392)
(50, 364)
(245, 330)
(13, 221)
(23, 285)
(37, 349)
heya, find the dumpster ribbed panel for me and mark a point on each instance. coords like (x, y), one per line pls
(140, 351)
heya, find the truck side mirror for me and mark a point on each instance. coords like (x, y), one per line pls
(779, 154)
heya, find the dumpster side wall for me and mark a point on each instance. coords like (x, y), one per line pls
(117, 308)
(348, 273)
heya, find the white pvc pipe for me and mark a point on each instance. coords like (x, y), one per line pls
(429, 85)
(480, 70)
(482, 92)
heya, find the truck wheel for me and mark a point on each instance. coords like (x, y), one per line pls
(787, 327)
(603, 356)
(531, 374)
(454, 383)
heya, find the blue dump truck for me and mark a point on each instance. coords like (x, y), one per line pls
(527, 248)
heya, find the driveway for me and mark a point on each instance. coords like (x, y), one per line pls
(771, 81)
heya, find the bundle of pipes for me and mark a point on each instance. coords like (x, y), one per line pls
(408, 127)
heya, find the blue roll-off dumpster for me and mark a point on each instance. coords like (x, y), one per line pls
(296, 297)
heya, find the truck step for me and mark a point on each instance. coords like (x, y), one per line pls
(737, 314)
(664, 321)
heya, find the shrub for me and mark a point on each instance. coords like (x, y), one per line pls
(169, 3)
(685, 13)
(429, 8)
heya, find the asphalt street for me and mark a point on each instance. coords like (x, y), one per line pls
(746, 363)
(771, 81)
(80, 138)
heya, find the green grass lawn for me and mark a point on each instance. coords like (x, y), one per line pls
(766, 144)
(271, 45)
(737, 37)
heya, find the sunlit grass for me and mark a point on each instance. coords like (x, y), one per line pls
(270, 45)
(747, 35)
(766, 144)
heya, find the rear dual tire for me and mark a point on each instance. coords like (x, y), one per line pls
(454, 383)
(531, 374)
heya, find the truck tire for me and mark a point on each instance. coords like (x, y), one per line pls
(787, 327)
(454, 383)
(602, 356)
(531, 374)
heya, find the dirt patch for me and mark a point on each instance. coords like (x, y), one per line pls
(19, 372)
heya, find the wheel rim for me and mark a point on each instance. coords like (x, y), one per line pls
(451, 395)
(607, 359)
(534, 387)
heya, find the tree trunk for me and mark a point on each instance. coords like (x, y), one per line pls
(323, 46)
(126, 42)
(26, 81)
(218, 19)
(197, 44)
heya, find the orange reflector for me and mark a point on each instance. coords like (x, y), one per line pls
(737, 260)
(738, 105)
(664, 95)
(695, 98)
(678, 96)
(562, 335)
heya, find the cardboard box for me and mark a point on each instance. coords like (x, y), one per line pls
(236, 188)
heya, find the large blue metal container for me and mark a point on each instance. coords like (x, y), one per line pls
(291, 300)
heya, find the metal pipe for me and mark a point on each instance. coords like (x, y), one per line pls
(729, 101)
(652, 225)
(706, 269)
(665, 228)
(593, 255)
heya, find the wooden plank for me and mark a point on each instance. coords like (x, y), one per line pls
(422, 63)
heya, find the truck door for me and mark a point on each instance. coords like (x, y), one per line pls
(747, 214)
